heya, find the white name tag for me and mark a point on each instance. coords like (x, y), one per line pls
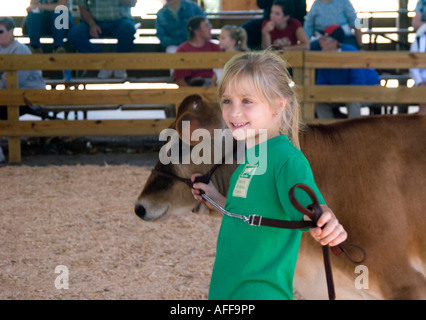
(243, 182)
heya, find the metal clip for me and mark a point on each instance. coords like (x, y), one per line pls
(255, 220)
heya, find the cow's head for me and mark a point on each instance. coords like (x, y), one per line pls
(163, 195)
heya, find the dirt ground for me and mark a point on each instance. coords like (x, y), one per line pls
(82, 217)
(76, 210)
(69, 205)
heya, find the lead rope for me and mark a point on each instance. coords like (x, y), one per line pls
(314, 212)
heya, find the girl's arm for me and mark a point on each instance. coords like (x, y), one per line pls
(303, 41)
(266, 35)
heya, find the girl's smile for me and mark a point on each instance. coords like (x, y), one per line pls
(246, 115)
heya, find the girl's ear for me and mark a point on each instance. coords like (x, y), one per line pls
(281, 103)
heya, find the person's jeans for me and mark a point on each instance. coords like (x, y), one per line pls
(42, 23)
(121, 29)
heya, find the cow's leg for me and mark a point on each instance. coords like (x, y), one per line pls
(400, 280)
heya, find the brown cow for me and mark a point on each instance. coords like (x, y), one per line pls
(371, 172)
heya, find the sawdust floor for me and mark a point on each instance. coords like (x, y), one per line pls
(81, 217)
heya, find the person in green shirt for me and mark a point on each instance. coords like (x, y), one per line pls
(260, 107)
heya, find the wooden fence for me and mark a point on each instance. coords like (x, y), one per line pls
(303, 64)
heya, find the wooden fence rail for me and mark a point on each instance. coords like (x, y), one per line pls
(302, 63)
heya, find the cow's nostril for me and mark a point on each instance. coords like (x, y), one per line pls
(140, 211)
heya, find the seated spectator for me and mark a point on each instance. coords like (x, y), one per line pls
(42, 16)
(324, 13)
(282, 31)
(420, 17)
(107, 18)
(199, 34)
(254, 27)
(172, 20)
(27, 79)
(331, 41)
(419, 75)
(231, 39)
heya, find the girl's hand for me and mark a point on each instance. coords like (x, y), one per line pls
(268, 27)
(210, 190)
(329, 230)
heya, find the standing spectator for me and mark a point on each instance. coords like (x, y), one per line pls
(101, 19)
(199, 34)
(254, 27)
(419, 75)
(327, 12)
(420, 17)
(282, 31)
(27, 79)
(331, 40)
(42, 13)
(172, 20)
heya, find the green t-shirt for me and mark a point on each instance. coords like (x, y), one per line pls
(259, 262)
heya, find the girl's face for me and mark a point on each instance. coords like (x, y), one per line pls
(277, 15)
(245, 114)
(226, 43)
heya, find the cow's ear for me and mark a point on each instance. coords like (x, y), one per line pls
(190, 104)
(186, 125)
(199, 115)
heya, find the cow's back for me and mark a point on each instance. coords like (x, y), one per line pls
(372, 173)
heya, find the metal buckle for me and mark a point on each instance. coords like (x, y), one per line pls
(255, 220)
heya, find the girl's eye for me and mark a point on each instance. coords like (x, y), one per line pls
(226, 101)
(246, 101)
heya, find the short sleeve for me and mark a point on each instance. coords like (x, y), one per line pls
(296, 170)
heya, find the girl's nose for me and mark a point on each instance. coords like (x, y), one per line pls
(235, 110)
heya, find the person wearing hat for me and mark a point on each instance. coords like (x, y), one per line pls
(331, 41)
(324, 13)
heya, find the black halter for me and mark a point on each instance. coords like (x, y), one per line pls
(204, 178)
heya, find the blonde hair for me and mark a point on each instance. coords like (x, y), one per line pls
(238, 34)
(267, 73)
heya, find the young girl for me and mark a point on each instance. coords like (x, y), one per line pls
(282, 31)
(231, 39)
(259, 262)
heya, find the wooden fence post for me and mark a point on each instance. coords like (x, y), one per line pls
(13, 117)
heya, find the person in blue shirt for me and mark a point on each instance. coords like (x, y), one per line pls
(331, 40)
(172, 20)
(420, 14)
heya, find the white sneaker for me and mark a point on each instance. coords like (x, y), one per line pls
(120, 74)
(104, 74)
